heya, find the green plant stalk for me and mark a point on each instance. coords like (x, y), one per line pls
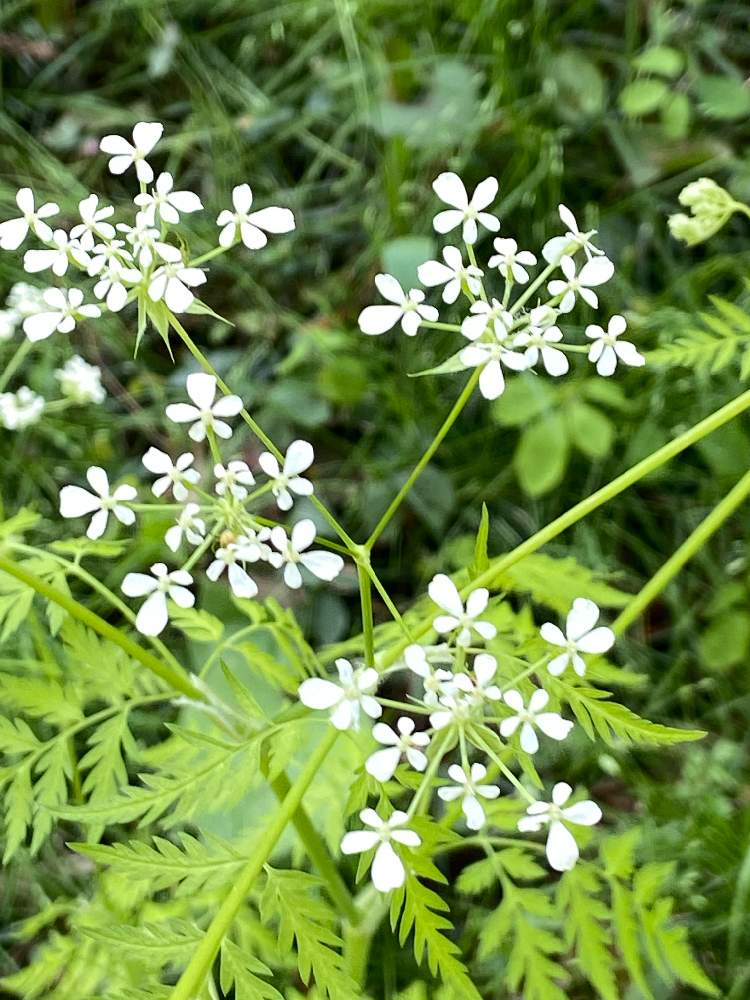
(637, 472)
(449, 421)
(365, 596)
(177, 679)
(689, 548)
(194, 976)
(15, 362)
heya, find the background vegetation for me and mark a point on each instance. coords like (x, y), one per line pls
(345, 111)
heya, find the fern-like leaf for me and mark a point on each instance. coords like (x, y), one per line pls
(243, 971)
(585, 917)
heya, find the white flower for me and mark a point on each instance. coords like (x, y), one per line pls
(558, 246)
(173, 280)
(153, 615)
(443, 592)
(81, 381)
(252, 226)
(57, 257)
(550, 723)
(511, 261)
(469, 790)
(562, 849)
(234, 478)
(324, 565)
(166, 202)
(417, 660)
(388, 870)
(536, 342)
(93, 225)
(607, 349)
(111, 284)
(9, 320)
(457, 706)
(25, 299)
(14, 231)
(452, 274)
(229, 557)
(467, 211)
(408, 308)
(188, 524)
(287, 480)
(144, 240)
(485, 668)
(594, 272)
(174, 474)
(580, 637)
(352, 694)
(20, 409)
(206, 413)
(494, 351)
(77, 502)
(383, 763)
(59, 311)
(125, 154)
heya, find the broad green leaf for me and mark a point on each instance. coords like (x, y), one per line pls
(641, 97)
(542, 454)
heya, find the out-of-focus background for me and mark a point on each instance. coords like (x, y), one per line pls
(346, 111)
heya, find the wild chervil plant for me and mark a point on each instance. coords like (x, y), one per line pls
(415, 739)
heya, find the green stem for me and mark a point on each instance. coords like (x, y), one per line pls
(530, 289)
(365, 596)
(692, 545)
(15, 362)
(441, 326)
(478, 741)
(649, 464)
(209, 255)
(194, 976)
(449, 421)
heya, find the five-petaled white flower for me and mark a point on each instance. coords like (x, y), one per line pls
(77, 502)
(230, 557)
(325, 565)
(510, 261)
(174, 474)
(93, 224)
(166, 202)
(153, 615)
(453, 274)
(469, 790)
(494, 351)
(81, 381)
(593, 273)
(205, 414)
(464, 210)
(112, 275)
(388, 870)
(562, 849)
(56, 257)
(607, 349)
(484, 669)
(125, 154)
(347, 698)
(551, 723)
(409, 308)
(174, 279)
(144, 240)
(444, 593)
(573, 240)
(14, 231)
(434, 678)
(252, 226)
(486, 314)
(189, 525)
(580, 637)
(287, 480)
(382, 764)
(234, 478)
(534, 342)
(59, 311)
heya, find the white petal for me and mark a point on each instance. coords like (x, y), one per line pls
(492, 380)
(561, 793)
(443, 592)
(555, 362)
(358, 841)
(227, 406)
(596, 271)
(146, 135)
(98, 524)
(319, 693)
(529, 741)
(558, 664)
(473, 812)
(75, 501)
(182, 413)
(152, 617)
(450, 188)
(138, 585)
(119, 164)
(241, 582)
(115, 145)
(582, 617)
(157, 461)
(182, 597)
(484, 193)
(444, 222)
(252, 237)
(597, 641)
(383, 763)
(324, 565)
(273, 220)
(303, 534)
(538, 700)
(628, 354)
(201, 388)
(408, 837)
(513, 699)
(185, 201)
(586, 813)
(485, 667)
(41, 325)
(607, 362)
(552, 634)
(387, 869)
(375, 320)
(299, 456)
(432, 272)
(562, 850)
(509, 726)
(177, 296)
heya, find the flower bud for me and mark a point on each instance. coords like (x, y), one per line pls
(710, 205)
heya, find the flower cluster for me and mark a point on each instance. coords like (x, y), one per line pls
(211, 511)
(503, 333)
(463, 706)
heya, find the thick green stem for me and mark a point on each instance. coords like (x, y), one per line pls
(692, 545)
(365, 596)
(193, 978)
(449, 421)
(649, 464)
